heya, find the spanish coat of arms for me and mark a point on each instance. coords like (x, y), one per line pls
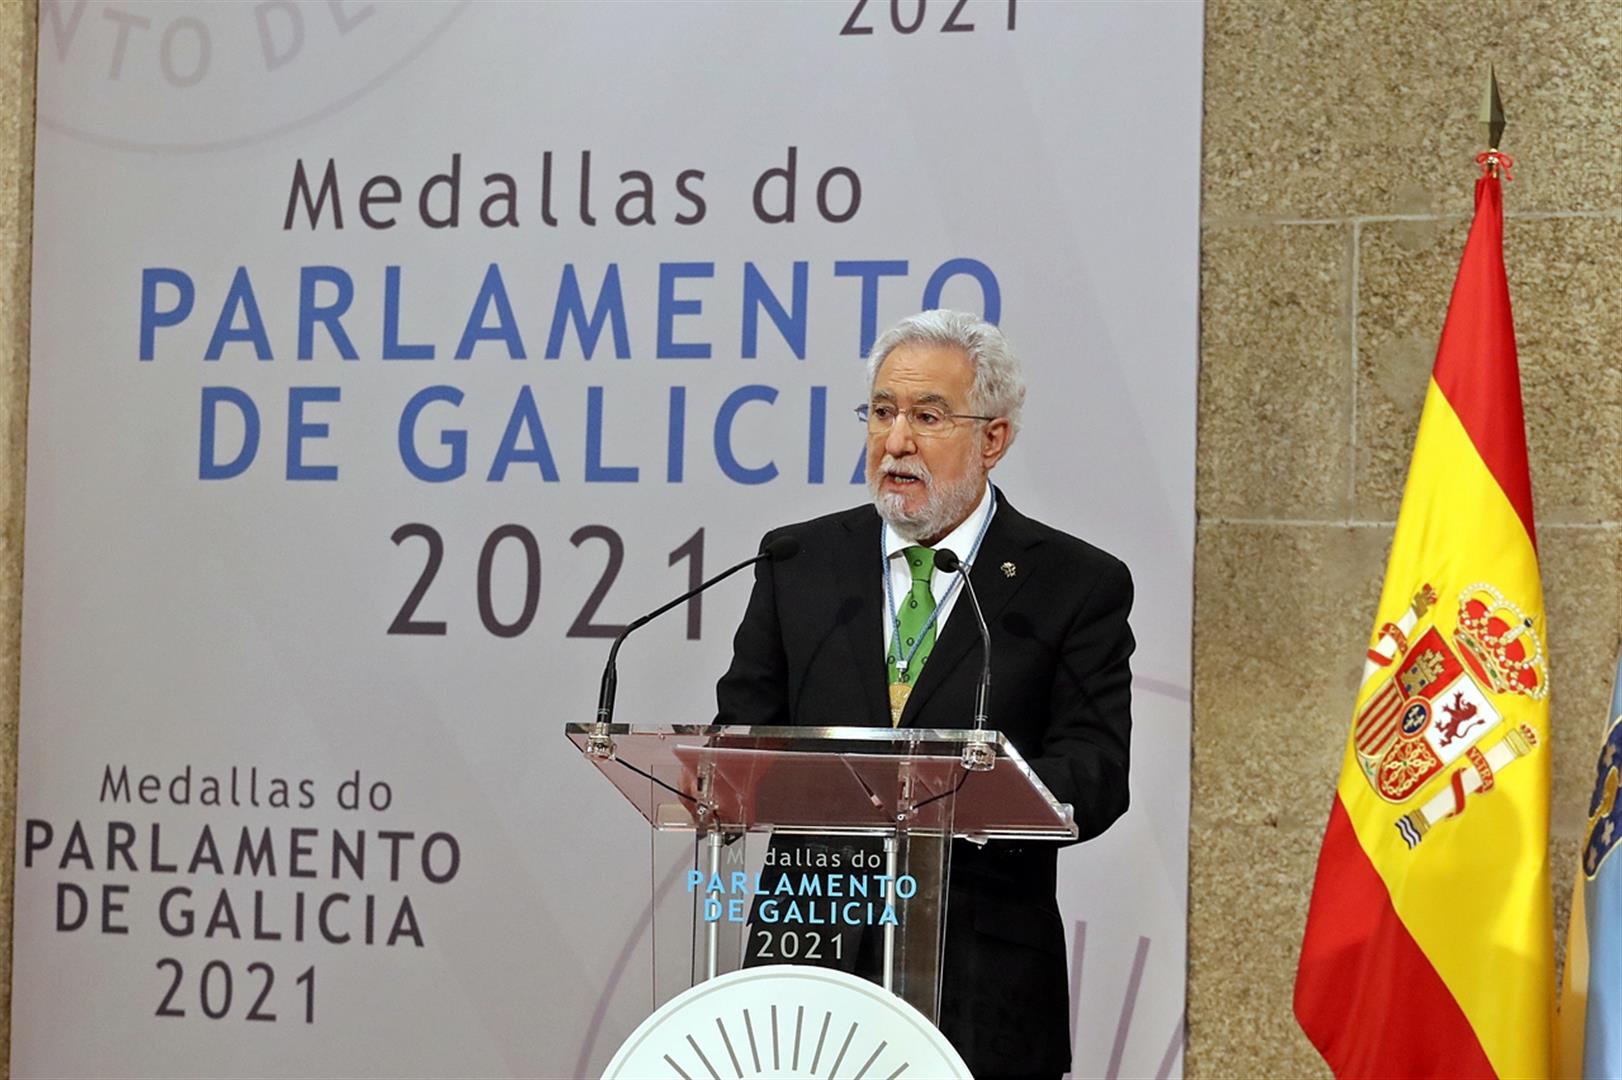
(1435, 702)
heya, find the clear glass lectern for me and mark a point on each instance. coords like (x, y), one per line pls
(828, 846)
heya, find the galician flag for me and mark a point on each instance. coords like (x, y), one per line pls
(1429, 943)
(1590, 1036)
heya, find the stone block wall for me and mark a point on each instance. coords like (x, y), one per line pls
(18, 36)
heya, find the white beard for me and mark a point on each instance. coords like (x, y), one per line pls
(944, 507)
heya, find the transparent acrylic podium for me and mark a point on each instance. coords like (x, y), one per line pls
(828, 846)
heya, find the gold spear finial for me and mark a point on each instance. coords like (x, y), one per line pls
(1492, 112)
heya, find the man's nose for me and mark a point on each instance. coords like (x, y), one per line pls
(899, 442)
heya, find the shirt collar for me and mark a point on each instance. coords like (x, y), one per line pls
(960, 540)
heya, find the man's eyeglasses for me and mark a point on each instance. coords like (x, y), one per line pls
(925, 421)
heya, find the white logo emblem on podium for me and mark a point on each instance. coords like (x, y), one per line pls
(786, 1020)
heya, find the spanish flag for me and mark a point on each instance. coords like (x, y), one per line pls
(1429, 942)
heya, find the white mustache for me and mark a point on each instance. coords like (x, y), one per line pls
(917, 470)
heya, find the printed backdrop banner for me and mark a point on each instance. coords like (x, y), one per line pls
(388, 357)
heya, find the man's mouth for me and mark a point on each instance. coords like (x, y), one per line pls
(896, 476)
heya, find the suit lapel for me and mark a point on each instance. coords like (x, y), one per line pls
(858, 569)
(1009, 542)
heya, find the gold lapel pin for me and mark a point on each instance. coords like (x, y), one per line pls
(1009, 569)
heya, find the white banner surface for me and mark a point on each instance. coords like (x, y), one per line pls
(387, 356)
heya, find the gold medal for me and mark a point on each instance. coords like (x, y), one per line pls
(899, 692)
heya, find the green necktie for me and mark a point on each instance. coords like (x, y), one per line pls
(916, 628)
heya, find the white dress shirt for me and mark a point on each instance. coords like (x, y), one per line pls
(960, 540)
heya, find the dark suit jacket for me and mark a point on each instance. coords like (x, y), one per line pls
(810, 652)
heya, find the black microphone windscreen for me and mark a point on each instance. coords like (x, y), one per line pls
(946, 560)
(784, 547)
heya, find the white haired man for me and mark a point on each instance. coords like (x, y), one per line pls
(855, 630)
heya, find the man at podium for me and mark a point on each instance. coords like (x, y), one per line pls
(859, 628)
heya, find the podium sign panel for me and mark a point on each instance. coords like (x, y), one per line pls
(822, 846)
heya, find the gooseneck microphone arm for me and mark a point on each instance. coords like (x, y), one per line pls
(946, 560)
(599, 744)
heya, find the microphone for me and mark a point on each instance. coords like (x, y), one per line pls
(599, 744)
(977, 756)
